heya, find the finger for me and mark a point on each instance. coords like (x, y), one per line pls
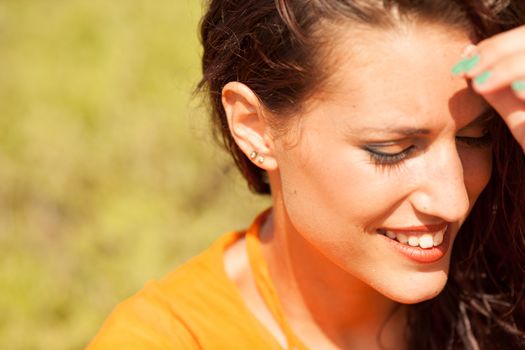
(506, 104)
(518, 86)
(501, 74)
(466, 60)
(511, 109)
(496, 48)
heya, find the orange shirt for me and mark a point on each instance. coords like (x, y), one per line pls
(197, 307)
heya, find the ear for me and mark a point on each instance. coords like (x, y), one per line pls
(248, 124)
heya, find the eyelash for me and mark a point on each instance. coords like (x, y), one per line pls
(382, 159)
(476, 142)
(385, 159)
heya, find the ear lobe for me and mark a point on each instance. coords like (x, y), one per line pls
(248, 125)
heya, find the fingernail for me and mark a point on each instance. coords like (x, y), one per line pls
(458, 68)
(465, 65)
(518, 85)
(482, 78)
(470, 63)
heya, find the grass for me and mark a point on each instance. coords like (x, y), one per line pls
(108, 175)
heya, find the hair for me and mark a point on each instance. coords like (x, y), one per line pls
(275, 47)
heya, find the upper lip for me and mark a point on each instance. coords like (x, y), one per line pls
(420, 228)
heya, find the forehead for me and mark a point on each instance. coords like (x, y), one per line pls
(403, 72)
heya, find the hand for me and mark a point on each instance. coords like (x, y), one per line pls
(497, 69)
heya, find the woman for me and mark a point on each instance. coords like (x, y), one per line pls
(390, 135)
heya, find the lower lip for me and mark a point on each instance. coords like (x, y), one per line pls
(422, 255)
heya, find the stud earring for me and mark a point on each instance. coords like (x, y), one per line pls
(253, 155)
(260, 159)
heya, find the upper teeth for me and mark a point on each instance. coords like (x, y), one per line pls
(422, 239)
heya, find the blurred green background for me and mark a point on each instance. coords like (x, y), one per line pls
(108, 173)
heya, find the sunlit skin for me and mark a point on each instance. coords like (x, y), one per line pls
(330, 197)
(336, 277)
(329, 191)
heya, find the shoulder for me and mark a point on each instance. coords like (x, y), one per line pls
(144, 322)
(195, 306)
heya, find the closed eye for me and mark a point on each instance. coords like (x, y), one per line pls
(384, 158)
(476, 142)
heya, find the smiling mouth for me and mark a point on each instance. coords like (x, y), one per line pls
(422, 239)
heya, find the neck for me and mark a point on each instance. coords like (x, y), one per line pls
(322, 301)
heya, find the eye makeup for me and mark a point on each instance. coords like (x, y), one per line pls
(394, 152)
(385, 158)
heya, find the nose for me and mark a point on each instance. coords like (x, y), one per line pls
(441, 189)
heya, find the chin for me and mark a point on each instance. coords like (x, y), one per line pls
(417, 291)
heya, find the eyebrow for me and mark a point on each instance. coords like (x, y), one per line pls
(486, 115)
(408, 131)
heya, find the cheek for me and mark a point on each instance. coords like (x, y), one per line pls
(339, 186)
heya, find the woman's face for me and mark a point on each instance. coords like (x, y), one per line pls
(392, 146)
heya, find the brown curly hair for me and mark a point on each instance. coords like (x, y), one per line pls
(275, 47)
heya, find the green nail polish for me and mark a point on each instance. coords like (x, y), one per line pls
(458, 68)
(482, 78)
(518, 85)
(465, 65)
(470, 63)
